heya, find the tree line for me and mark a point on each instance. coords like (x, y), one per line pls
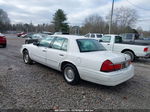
(123, 20)
(58, 24)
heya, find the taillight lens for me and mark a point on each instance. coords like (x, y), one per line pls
(117, 66)
(146, 49)
(107, 66)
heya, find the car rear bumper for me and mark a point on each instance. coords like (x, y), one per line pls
(108, 79)
(2, 42)
(147, 55)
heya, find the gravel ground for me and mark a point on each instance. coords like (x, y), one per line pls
(39, 87)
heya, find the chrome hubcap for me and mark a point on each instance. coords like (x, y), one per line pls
(26, 58)
(69, 74)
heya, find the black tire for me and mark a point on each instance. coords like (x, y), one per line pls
(4, 46)
(131, 54)
(26, 57)
(75, 78)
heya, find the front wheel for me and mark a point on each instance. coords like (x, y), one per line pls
(131, 54)
(71, 74)
(26, 58)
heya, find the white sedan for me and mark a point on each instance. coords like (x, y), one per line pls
(80, 58)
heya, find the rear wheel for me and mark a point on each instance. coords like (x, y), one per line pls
(131, 54)
(26, 57)
(71, 74)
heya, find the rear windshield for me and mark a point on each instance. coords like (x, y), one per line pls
(89, 45)
(129, 36)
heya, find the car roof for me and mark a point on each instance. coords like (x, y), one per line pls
(72, 37)
(111, 35)
(96, 33)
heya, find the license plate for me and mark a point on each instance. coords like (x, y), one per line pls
(125, 65)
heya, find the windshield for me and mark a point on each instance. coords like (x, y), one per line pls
(89, 45)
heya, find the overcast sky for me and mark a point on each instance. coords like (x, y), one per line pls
(42, 11)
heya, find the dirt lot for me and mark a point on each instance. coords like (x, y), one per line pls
(39, 87)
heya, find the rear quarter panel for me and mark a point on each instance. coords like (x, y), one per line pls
(86, 65)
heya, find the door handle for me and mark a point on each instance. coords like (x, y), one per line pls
(61, 55)
(108, 44)
(44, 50)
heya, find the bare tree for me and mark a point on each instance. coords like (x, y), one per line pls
(125, 16)
(95, 24)
(122, 18)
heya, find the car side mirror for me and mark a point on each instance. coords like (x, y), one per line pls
(36, 43)
(100, 41)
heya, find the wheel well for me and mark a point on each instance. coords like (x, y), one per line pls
(24, 50)
(64, 63)
(127, 50)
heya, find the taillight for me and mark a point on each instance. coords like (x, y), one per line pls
(146, 49)
(107, 66)
(117, 66)
(3, 37)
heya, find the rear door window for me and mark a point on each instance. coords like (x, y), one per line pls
(65, 45)
(46, 42)
(60, 43)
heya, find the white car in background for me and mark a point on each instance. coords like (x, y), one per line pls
(134, 50)
(80, 58)
(96, 36)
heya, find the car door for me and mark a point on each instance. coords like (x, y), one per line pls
(39, 51)
(57, 52)
(106, 42)
(117, 44)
